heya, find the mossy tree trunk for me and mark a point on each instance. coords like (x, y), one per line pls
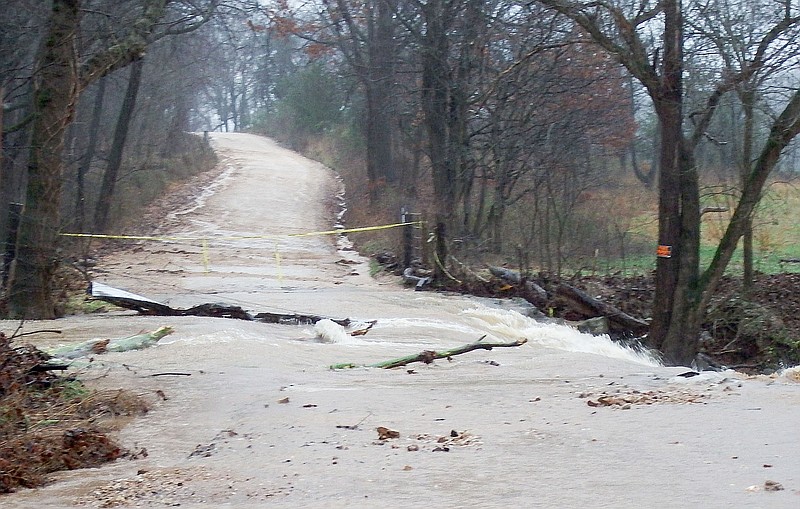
(55, 96)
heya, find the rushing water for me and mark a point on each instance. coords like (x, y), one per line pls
(500, 325)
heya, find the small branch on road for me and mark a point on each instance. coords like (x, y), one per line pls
(428, 356)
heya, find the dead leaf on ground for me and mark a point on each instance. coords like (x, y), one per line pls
(385, 433)
(100, 346)
(634, 397)
(284, 400)
(203, 451)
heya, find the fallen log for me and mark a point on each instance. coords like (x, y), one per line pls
(213, 310)
(581, 302)
(538, 294)
(128, 300)
(145, 306)
(429, 356)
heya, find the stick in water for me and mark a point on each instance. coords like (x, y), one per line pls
(429, 356)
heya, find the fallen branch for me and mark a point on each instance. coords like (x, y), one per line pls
(43, 331)
(429, 356)
(618, 321)
(101, 346)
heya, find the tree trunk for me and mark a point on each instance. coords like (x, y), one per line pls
(55, 95)
(783, 131)
(469, 52)
(370, 53)
(669, 108)
(646, 178)
(589, 307)
(232, 101)
(117, 148)
(15, 143)
(379, 159)
(496, 218)
(174, 144)
(244, 109)
(435, 104)
(747, 98)
(679, 345)
(441, 251)
(380, 164)
(3, 215)
(88, 156)
(497, 210)
(2, 108)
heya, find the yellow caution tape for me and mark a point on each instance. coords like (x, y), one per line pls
(169, 238)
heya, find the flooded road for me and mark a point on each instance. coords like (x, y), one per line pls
(254, 418)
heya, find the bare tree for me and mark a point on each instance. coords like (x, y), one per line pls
(21, 26)
(58, 81)
(682, 293)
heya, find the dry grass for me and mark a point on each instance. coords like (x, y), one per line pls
(50, 423)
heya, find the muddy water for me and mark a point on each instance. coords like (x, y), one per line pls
(254, 418)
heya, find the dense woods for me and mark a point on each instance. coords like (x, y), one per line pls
(536, 132)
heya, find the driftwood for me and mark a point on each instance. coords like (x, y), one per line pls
(100, 346)
(429, 356)
(145, 306)
(618, 321)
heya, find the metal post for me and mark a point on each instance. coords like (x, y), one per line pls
(408, 238)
